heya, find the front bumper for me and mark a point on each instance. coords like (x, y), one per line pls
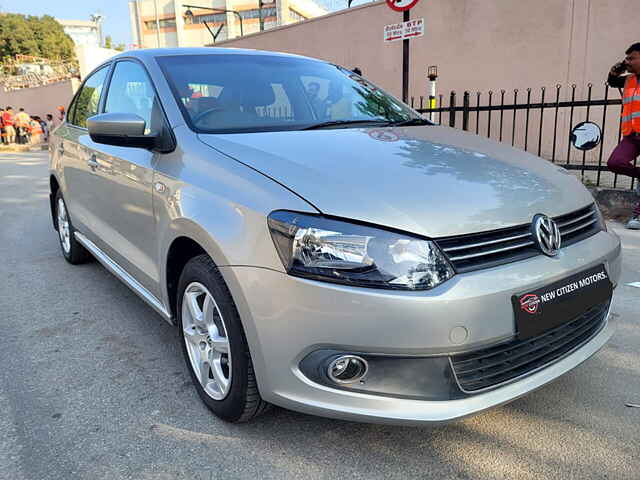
(286, 318)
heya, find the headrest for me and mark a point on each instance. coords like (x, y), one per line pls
(257, 94)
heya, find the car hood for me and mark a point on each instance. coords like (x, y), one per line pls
(429, 180)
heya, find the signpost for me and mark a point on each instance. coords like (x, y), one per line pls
(408, 31)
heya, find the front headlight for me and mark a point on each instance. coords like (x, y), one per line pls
(336, 251)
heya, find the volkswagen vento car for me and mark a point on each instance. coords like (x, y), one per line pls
(322, 247)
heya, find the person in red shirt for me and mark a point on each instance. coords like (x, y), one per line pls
(8, 120)
(3, 134)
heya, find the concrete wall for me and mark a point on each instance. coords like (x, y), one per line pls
(477, 44)
(40, 100)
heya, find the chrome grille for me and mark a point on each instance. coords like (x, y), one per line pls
(497, 247)
(578, 225)
(493, 366)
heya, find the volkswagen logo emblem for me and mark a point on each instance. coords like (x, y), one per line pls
(546, 234)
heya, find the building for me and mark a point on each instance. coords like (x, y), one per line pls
(83, 32)
(87, 37)
(172, 23)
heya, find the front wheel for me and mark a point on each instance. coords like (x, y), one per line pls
(214, 344)
(72, 250)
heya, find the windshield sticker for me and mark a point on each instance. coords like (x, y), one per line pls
(383, 135)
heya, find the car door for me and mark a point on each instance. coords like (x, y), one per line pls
(78, 178)
(123, 176)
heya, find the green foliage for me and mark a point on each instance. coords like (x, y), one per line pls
(38, 36)
(108, 42)
(120, 47)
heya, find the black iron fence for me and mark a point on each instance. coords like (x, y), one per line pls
(540, 122)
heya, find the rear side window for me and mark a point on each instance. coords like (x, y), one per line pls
(87, 102)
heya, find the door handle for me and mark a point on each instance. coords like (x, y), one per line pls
(92, 162)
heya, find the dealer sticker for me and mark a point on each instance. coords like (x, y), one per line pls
(563, 301)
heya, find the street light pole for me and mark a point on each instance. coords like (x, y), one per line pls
(155, 4)
(220, 10)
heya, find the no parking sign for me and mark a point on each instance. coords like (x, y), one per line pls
(401, 5)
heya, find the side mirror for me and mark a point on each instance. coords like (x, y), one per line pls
(121, 129)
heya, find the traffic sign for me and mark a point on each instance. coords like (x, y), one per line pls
(401, 5)
(393, 32)
(404, 30)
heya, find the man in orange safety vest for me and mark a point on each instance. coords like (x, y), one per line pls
(626, 75)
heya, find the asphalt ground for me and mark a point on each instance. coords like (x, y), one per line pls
(93, 386)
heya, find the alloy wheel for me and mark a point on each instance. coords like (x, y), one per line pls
(205, 336)
(63, 227)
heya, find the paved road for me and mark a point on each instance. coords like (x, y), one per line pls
(93, 386)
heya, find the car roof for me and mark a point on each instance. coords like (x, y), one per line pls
(146, 54)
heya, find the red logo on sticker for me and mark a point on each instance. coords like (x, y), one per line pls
(530, 303)
(383, 135)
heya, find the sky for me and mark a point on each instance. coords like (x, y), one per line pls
(116, 13)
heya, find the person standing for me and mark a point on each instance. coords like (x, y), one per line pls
(8, 121)
(22, 126)
(3, 134)
(626, 75)
(50, 125)
(35, 130)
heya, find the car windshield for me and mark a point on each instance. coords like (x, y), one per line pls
(234, 93)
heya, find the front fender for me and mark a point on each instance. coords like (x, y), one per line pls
(224, 209)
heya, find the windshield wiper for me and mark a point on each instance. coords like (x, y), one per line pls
(411, 122)
(338, 123)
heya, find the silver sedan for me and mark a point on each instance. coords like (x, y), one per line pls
(322, 247)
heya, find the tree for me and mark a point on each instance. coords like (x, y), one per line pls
(16, 36)
(38, 36)
(107, 42)
(54, 43)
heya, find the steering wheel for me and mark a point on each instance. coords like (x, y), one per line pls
(206, 113)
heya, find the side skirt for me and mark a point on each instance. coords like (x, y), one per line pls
(127, 279)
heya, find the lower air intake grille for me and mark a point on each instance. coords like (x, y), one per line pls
(496, 365)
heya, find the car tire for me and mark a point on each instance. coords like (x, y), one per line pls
(209, 326)
(72, 250)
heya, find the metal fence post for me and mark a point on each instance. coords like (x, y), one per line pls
(452, 109)
(465, 112)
